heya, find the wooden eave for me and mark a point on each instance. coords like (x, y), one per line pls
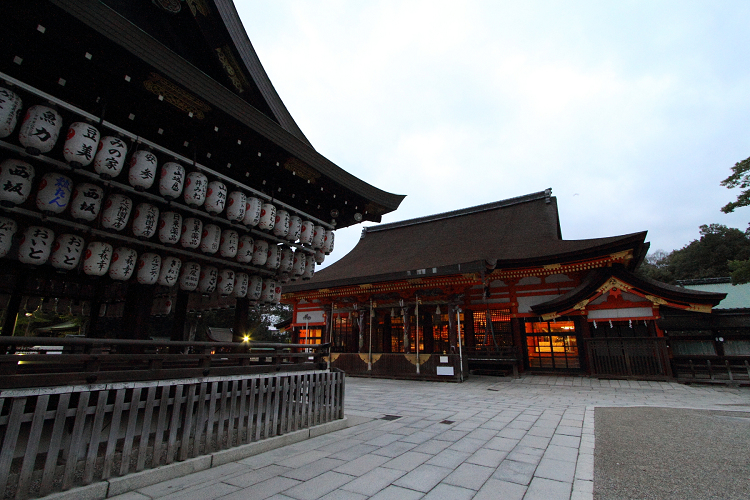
(600, 281)
(109, 24)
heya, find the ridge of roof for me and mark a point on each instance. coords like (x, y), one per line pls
(540, 195)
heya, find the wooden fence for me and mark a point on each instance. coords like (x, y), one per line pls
(712, 369)
(55, 438)
(636, 357)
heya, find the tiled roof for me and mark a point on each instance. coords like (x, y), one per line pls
(515, 232)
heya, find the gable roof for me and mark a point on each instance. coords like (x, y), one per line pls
(521, 231)
(598, 277)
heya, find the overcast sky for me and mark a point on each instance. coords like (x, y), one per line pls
(632, 112)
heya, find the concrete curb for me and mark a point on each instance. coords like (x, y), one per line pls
(119, 485)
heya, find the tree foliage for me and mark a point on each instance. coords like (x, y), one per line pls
(740, 178)
(712, 255)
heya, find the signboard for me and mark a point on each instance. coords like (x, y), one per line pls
(309, 317)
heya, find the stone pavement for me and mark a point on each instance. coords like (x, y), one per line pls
(488, 438)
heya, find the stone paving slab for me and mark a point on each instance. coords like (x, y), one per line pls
(525, 439)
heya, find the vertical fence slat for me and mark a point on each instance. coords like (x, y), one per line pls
(276, 408)
(95, 439)
(211, 417)
(127, 447)
(270, 390)
(148, 413)
(48, 475)
(233, 409)
(76, 439)
(282, 429)
(174, 423)
(223, 413)
(242, 411)
(29, 458)
(251, 409)
(114, 430)
(11, 438)
(200, 420)
(187, 423)
(161, 424)
(259, 407)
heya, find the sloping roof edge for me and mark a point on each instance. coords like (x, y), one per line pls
(598, 277)
(119, 30)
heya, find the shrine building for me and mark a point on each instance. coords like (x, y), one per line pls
(491, 288)
(150, 171)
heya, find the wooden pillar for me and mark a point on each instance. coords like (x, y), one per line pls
(179, 332)
(427, 332)
(515, 326)
(468, 329)
(138, 302)
(14, 303)
(452, 329)
(387, 338)
(584, 328)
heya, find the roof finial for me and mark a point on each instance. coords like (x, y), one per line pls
(547, 195)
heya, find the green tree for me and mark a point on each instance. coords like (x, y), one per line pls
(740, 178)
(710, 256)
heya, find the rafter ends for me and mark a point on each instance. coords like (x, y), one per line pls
(625, 254)
(366, 285)
(552, 266)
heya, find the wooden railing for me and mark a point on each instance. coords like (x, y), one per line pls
(55, 438)
(635, 357)
(712, 369)
(41, 362)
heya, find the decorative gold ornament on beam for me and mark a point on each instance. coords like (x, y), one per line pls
(176, 96)
(656, 300)
(701, 308)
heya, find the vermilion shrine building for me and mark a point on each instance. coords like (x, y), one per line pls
(491, 287)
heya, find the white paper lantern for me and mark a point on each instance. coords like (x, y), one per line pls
(241, 284)
(309, 269)
(295, 226)
(54, 193)
(149, 266)
(170, 227)
(123, 263)
(142, 171)
(40, 129)
(260, 253)
(116, 212)
(145, 220)
(236, 205)
(328, 243)
(300, 261)
(16, 177)
(319, 236)
(287, 260)
(194, 192)
(267, 291)
(170, 271)
(255, 288)
(319, 257)
(10, 111)
(36, 244)
(225, 282)
(276, 298)
(210, 239)
(171, 180)
(110, 157)
(86, 201)
(208, 279)
(253, 207)
(190, 274)
(97, 258)
(8, 228)
(281, 224)
(80, 144)
(307, 232)
(161, 306)
(66, 252)
(267, 217)
(245, 249)
(216, 197)
(192, 231)
(274, 257)
(228, 243)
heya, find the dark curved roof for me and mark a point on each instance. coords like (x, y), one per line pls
(598, 277)
(270, 119)
(522, 231)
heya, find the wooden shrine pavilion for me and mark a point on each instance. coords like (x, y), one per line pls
(493, 287)
(149, 169)
(149, 172)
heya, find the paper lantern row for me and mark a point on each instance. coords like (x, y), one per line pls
(85, 145)
(56, 193)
